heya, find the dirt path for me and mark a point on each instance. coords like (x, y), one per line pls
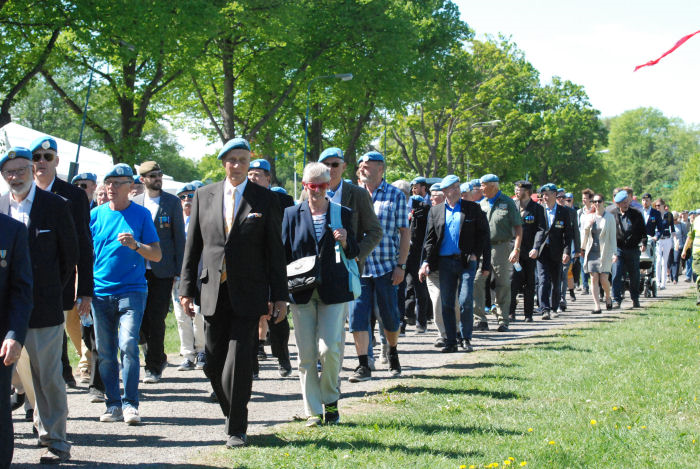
(179, 420)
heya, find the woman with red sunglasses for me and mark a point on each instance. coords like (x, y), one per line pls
(318, 312)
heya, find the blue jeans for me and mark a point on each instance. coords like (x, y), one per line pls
(627, 262)
(117, 324)
(453, 275)
(386, 296)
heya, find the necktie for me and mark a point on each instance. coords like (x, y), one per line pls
(229, 225)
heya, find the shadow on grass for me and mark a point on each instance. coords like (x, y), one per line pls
(357, 444)
(407, 389)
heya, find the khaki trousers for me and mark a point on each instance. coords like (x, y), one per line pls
(433, 283)
(501, 272)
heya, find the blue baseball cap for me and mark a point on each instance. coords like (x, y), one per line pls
(620, 196)
(448, 180)
(120, 169)
(332, 152)
(260, 163)
(84, 177)
(237, 143)
(279, 189)
(466, 187)
(489, 178)
(186, 188)
(419, 180)
(371, 156)
(548, 187)
(44, 142)
(435, 187)
(15, 152)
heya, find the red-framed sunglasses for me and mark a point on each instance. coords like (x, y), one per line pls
(317, 187)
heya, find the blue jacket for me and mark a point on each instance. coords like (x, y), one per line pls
(299, 240)
(16, 297)
(653, 223)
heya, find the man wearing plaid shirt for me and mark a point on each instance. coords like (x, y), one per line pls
(384, 269)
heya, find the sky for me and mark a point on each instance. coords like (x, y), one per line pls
(597, 44)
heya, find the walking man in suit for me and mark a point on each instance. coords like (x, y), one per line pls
(552, 250)
(236, 231)
(166, 213)
(455, 238)
(534, 226)
(45, 157)
(88, 183)
(15, 308)
(53, 247)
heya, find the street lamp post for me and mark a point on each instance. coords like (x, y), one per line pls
(339, 76)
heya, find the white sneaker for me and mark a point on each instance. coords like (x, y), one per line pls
(131, 415)
(112, 414)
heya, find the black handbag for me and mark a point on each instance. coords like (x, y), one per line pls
(303, 274)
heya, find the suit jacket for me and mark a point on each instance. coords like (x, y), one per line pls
(80, 210)
(53, 247)
(534, 227)
(170, 226)
(300, 241)
(653, 223)
(418, 217)
(560, 234)
(15, 280)
(474, 234)
(637, 233)
(285, 200)
(253, 251)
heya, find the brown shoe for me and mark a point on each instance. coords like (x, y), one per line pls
(54, 456)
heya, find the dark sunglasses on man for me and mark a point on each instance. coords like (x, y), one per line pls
(82, 185)
(334, 164)
(186, 196)
(36, 157)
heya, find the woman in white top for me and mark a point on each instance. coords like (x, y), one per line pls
(599, 239)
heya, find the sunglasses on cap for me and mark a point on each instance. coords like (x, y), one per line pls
(322, 186)
(334, 164)
(36, 157)
(186, 196)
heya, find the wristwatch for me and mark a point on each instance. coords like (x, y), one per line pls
(403, 266)
(138, 246)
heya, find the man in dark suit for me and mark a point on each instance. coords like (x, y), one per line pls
(259, 173)
(53, 246)
(652, 217)
(236, 231)
(631, 233)
(552, 250)
(44, 155)
(562, 198)
(15, 308)
(534, 227)
(166, 213)
(456, 234)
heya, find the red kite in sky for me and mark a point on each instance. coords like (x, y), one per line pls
(678, 44)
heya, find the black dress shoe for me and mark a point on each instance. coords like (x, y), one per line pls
(449, 349)
(236, 441)
(502, 328)
(596, 311)
(17, 400)
(635, 304)
(528, 318)
(29, 415)
(70, 381)
(608, 306)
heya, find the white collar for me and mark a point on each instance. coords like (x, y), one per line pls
(29, 198)
(229, 188)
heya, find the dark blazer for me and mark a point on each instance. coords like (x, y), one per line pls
(300, 241)
(285, 200)
(15, 280)
(364, 223)
(574, 226)
(630, 239)
(418, 217)
(255, 258)
(474, 235)
(534, 227)
(653, 223)
(53, 247)
(80, 209)
(170, 226)
(559, 234)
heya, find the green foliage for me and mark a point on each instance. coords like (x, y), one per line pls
(686, 196)
(648, 151)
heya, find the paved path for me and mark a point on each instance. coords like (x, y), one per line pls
(179, 420)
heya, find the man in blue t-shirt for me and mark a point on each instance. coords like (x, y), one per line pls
(123, 235)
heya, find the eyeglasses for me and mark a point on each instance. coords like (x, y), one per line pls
(333, 164)
(322, 186)
(569, 200)
(48, 157)
(154, 174)
(15, 172)
(186, 196)
(598, 201)
(117, 183)
(657, 205)
(560, 197)
(82, 185)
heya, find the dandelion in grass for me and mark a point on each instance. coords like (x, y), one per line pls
(615, 408)
(511, 458)
(530, 430)
(506, 463)
(552, 442)
(463, 466)
(523, 463)
(594, 422)
(629, 427)
(643, 427)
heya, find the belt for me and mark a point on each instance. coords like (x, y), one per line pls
(457, 257)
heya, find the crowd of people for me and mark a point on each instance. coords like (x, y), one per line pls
(98, 266)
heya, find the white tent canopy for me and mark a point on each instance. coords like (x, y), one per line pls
(89, 161)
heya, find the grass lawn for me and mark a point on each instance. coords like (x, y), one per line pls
(617, 394)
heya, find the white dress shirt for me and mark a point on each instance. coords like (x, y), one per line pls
(20, 210)
(230, 211)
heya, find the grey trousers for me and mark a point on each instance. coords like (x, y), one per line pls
(501, 273)
(43, 364)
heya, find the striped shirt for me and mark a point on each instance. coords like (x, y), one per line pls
(390, 207)
(319, 225)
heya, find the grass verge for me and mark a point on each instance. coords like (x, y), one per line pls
(619, 393)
